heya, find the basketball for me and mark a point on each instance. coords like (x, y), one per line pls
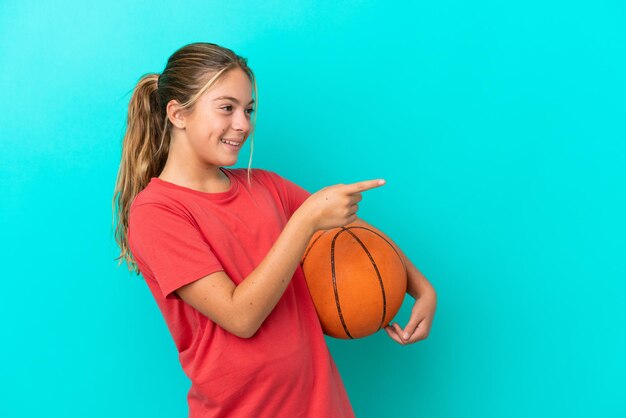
(357, 279)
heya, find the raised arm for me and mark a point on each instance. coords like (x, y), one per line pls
(241, 309)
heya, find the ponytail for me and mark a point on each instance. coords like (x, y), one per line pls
(189, 72)
(144, 153)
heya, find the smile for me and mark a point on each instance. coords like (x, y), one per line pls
(232, 143)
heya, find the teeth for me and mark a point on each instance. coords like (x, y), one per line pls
(230, 142)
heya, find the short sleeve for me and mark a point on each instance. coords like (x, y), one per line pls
(291, 194)
(170, 246)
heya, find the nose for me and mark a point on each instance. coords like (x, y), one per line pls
(241, 122)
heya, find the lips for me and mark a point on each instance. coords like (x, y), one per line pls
(231, 142)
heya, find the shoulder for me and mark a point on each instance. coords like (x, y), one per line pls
(284, 192)
(261, 176)
(151, 194)
(154, 201)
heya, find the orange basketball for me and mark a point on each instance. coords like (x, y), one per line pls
(356, 278)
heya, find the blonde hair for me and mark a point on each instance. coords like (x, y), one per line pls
(190, 72)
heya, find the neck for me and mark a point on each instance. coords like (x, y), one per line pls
(209, 179)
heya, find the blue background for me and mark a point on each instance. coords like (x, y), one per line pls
(499, 127)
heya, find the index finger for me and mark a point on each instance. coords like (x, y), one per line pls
(362, 186)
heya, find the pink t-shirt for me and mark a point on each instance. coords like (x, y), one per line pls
(178, 235)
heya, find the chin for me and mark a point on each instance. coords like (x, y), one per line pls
(229, 162)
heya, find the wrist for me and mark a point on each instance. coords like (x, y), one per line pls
(303, 222)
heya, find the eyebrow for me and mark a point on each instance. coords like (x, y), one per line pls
(231, 99)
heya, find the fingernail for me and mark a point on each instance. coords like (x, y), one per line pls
(405, 335)
(381, 181)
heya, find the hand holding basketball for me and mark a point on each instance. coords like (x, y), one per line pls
(421, 320)
(350, 304)
(336, 206)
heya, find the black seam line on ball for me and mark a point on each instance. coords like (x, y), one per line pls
(390, 244)
(334, 277)
(380, 279)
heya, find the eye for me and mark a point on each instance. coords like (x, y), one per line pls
(227, 108)
(250, 111)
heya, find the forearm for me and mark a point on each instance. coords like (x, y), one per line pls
(257, 295)
(417, 284)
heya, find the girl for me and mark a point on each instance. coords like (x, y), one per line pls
(220, 248)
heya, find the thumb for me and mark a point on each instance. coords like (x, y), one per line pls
(410, 327)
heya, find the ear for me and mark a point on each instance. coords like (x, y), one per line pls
(176, 114)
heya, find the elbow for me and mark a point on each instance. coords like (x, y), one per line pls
(245, 329)
(239, 327)
(244, 332)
